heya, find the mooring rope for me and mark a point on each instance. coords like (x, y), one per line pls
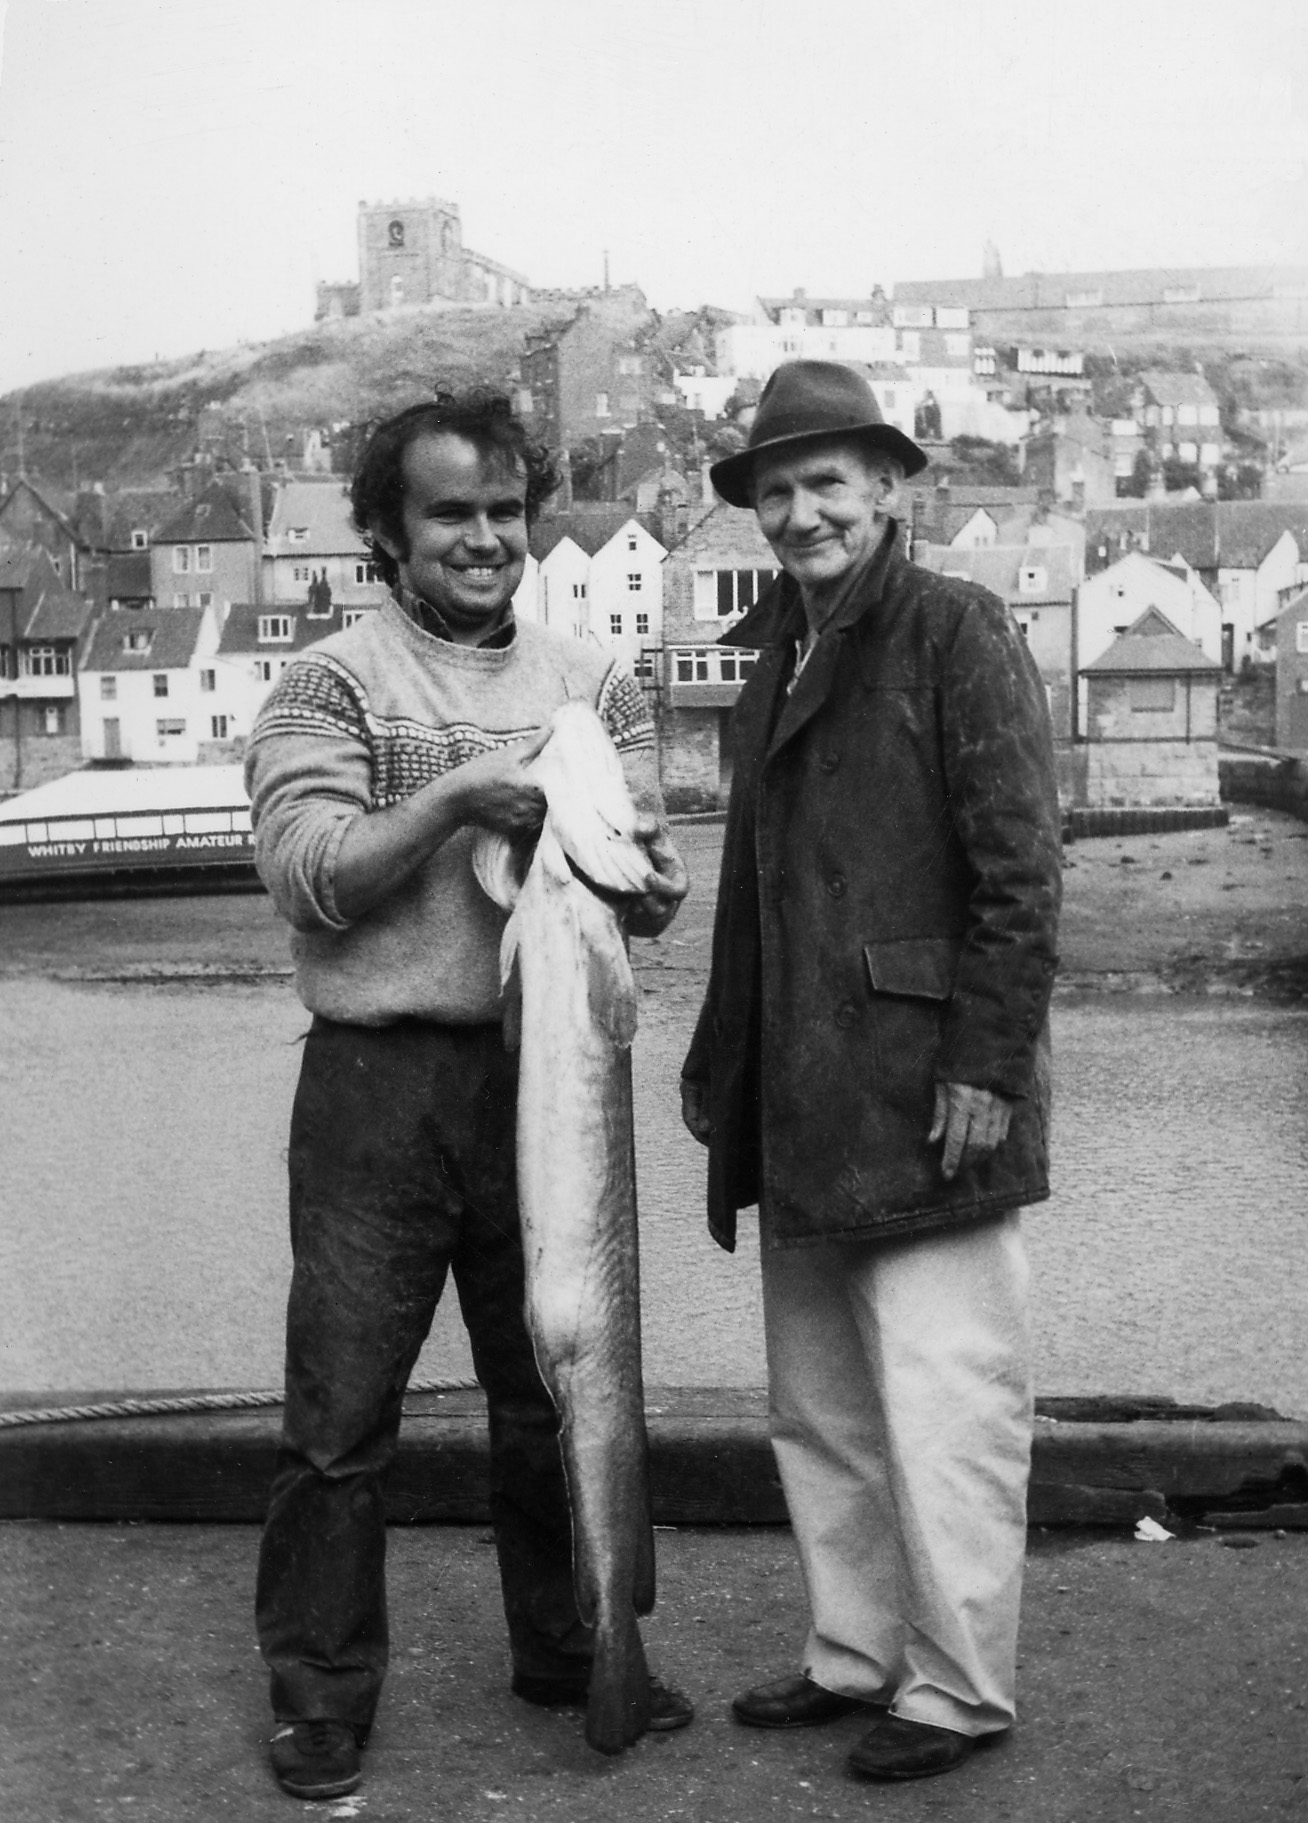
(187, 1402)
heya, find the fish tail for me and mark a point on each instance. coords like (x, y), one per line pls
(619, 1706)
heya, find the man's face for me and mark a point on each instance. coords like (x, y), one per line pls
(465, 528)
(821, 506)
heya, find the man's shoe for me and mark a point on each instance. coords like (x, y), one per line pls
(897, 1748)
(316, 1759)
(791, 1702)
(669, 1709)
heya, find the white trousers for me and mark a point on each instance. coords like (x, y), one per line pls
(900, 1397)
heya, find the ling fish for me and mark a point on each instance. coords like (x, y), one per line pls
(564, 962)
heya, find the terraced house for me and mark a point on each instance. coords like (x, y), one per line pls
(43, 623)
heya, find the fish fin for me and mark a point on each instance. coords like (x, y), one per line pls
(619, 1706)
(611, 990)
(497, 867)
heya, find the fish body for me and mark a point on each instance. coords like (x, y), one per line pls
(577, 1186)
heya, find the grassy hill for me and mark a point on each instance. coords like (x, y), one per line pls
(129, 426)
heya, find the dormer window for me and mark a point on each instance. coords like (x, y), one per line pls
(1031, 579)
(140, 539)
(137, 642)
(274, 628)
(298, 534)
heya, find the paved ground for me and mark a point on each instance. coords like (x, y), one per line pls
(1162, 1682)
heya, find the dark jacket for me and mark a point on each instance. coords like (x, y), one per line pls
(886, 915)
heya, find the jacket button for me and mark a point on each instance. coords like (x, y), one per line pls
(846, 1013)
(829, 762)
(836, 886)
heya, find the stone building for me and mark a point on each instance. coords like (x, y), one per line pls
(1151, 719)
(412, 252)
(43, 624)
(592, 375)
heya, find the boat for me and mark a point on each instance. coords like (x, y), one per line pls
(106, 831)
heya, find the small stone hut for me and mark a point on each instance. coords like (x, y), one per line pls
(1151, 718)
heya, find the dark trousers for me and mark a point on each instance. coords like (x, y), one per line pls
(401, 1170)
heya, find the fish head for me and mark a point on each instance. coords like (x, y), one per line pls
(589, 806)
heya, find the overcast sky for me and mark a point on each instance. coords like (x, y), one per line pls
(178, 174)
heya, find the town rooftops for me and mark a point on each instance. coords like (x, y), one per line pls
(1178, 388)
(1024, 575)
(209, 519)
(312, 519)
(47, 607)
(1208, 534)
(862, 312)
(588, 524)
(1150, 644)
(240, 632)
(141, 640)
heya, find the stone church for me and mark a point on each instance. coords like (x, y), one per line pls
(413, 253)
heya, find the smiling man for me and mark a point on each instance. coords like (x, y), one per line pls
(374, 762)
(871, 1069)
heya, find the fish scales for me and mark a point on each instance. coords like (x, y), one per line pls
(577, 1191)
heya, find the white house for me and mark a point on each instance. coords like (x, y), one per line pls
(1115, 598)
(140, 686)
(601, 579)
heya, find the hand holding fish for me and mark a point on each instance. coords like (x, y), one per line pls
(651, 913)
(498, 791)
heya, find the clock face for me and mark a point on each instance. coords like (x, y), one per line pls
(395, 234)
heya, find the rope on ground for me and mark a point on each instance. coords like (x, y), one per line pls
(186, 1402)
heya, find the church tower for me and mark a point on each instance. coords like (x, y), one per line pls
(410, 253)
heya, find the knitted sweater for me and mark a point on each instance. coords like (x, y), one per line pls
(365, 719)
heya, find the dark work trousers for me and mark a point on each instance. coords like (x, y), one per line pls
(402, 1169)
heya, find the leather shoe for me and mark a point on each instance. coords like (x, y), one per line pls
(318, 1759)
(897, 1748)
(791, 1702)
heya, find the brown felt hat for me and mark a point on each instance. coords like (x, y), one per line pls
(805, 399)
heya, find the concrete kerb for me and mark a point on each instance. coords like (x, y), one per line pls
(1096, 1463)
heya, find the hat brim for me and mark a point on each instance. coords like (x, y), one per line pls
(733, 476)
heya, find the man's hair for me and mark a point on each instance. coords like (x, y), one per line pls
(483, 418)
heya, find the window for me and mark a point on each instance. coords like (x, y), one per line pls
(601, 405)
(1031, 579)
(297, 534)
(208, 680)
(161, 683)
(54, 718)
(721, 593)
(181, 600)
(615, 625)
(579, 591)
(275, 626)
(181, 559)
(140, 540)
(1301, 636)
(137, 642)
(263, 671)
(642, 623)
(204, 557)
(167, 728)
(350, 615)
(45, 661)
(644, 665)
(631, 541)
(711, 665)
(204, 599)
(1151, 695)
(300, 572)
(634, 581)
(366, 572)
(108, 689)
(218, 727)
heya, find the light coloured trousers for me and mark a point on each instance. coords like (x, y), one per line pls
(900, 1395)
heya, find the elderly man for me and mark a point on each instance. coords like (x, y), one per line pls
(871, 1068)
(374, 762)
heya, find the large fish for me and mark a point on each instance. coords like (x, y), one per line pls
(576, 1001)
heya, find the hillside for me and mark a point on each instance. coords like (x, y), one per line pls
(129, 426)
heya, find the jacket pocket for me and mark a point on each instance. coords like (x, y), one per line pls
(917, 968)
